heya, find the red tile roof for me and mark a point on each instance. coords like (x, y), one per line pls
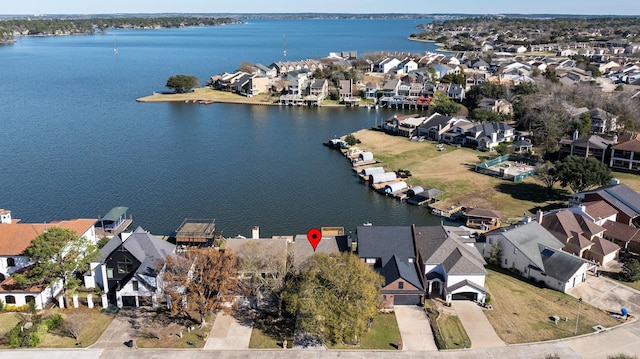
(16, 237)
(628, 144)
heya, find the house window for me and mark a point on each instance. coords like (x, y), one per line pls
(412, 259)
(30, 299)
(109, 273)
(400, 285)
(11, 262)
(125, 266)
(134, 284)
(10, 299)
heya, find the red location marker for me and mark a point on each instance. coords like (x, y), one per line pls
(314, 236)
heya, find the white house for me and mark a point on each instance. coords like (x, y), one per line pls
(453, 270)
(15, 237)
(536, 254)
(128, 269)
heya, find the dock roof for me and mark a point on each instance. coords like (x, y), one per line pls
(115, 213)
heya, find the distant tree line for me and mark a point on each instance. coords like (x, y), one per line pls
(70, 26)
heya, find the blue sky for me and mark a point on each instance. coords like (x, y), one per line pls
(590, 7)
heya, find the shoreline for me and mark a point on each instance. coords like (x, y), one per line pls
(207, 96)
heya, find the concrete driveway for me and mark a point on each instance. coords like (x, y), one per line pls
(228, 333)
(608, 295)
(414, 328)
(476, 325)
(117, 333)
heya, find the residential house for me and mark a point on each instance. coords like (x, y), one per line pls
(390, 251)
(445, 128)
(625, 153)
(269, 72)
(603, 121)
(329, 244)
(267, 258)
(456, 92)
(390, 88)
(619, 196)
(15, 237)
(318, 90)
(130, 268)
(371, 90)
(485, 136)
(406, 66)
(346, 89)
(453, 269)
(627, 237)
(406, 125)
(581, 235)
(500, 106)
(387, 65)
(442, 70)
(593, 146)
(536, 254)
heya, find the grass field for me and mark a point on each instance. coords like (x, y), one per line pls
(7, 322)
(451, 333)
(383, 334)
(94, 321)
(522, 312)
(453, 171)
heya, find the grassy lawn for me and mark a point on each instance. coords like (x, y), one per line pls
(93, 324)
(7, 322)
(269, 331)
(383, 334)
(522, 312)
(453, 171)
(449, 332)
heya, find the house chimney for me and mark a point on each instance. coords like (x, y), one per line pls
(576, 134)
(539, 216)
(615, 181)
(255, 232)
(5, 216)
(615, 139)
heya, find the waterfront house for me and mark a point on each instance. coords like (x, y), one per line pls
(390, 251)
(15, 237)
(331, 242)
(387, 65)
(581, 235)
(593, 146)
(529, 249)
(129, 268)
(452, 269)
(403, 125)
(619, 196)
(346, 89)
(390, 88)
(269, 72)
(485, 136)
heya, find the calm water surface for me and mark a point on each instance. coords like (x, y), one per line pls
(75, 143)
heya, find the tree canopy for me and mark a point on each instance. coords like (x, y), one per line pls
(57, 254)
(580, 173)
(200, 280)
(182, 83)
(444, 105)
(631, 270)
(334, 297)
(263, 270)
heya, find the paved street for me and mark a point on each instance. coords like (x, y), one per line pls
(414, 328)
(476, 325)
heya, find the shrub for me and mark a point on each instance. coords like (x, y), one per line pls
(54, 321)
(2, 307)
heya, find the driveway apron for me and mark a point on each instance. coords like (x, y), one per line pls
(476, 325)
(414, 328)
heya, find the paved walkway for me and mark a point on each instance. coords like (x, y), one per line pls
(117, 333)
(414, 328)
(608, 294)
(228, 333)
(476, 325)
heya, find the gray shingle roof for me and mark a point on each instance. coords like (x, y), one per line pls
(559, 264)
(397, 268)
(621, 197)
(438, 245)
(384, 242)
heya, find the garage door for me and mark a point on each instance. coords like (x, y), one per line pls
(406, 299)
(465, 296)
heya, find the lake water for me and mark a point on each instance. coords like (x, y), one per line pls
(75, 143)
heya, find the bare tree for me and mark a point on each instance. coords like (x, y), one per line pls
(247, 67)
(263, 269)
(74, 323)
(200, 280)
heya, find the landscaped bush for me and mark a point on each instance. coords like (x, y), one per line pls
(54, 321)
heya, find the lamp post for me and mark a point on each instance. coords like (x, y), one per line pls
(578, 316)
